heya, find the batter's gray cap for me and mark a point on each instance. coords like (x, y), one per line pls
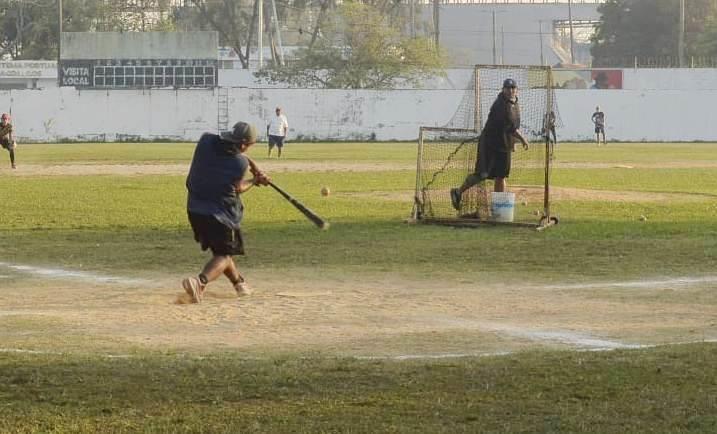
(242, 132)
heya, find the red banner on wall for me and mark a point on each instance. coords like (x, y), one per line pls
(606, 79)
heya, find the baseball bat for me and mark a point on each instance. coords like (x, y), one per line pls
(315, 219)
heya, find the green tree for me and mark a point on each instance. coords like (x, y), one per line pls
(136, 16)
(649, 28)
(29, 30)
(359, 47)
(705, 36)
(234, 21)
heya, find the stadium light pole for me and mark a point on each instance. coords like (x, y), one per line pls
(59, 40)
(413, 19)
(681, 36)
(570, 22)
(502, 45)
(437, 22)
(259, 40)
(542, 56)
(495, 55)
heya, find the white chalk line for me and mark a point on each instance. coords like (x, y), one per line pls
(566, 337)
(59, 273)
(436, 356)
(401, 357)
(583, 342)
(579, 340)
(639, 284)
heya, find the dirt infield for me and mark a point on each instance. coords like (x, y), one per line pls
(182, 169)
(373, 317)
(90, 168)
(556, 194)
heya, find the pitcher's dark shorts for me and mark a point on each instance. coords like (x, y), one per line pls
(492, 164)
(6, 144)
(221, 240)
(277, 141)
(599, 130)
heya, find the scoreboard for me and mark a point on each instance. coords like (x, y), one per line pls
(139, 73)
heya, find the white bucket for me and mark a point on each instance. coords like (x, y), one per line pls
(502, 205)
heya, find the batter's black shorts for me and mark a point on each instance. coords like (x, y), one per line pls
(211, 234)
(492, 164)
(277, 141)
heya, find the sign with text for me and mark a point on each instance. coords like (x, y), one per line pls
(77, 73)
(141, 73)
(28, 69)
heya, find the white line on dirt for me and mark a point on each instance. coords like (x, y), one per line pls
(566, 337)
(399, 357)
(58, 273)
(434, 356)
(638, 284)
(573, 339)
(21, 351)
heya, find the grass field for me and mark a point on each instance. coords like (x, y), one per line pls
(372, 326)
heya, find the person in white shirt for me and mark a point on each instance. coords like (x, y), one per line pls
(277, 129)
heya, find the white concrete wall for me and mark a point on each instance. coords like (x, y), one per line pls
(347, 114)
(657, 105)
(639, 115)
(66, 113)
(695, 80)
(654, 105)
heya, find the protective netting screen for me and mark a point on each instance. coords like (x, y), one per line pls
(446, 155)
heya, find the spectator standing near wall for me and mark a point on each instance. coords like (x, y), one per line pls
(550, 129)
(276, 129)
(598, 119)
(7, 140)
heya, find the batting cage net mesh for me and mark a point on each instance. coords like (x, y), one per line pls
(447, 155)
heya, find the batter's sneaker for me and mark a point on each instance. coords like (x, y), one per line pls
(242, 288)
(456, 198)
(194, 288)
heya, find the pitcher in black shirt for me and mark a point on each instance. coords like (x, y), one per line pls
(496, 143)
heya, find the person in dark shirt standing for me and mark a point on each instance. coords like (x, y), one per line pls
(215, 182)
(598, 119)
(7, 141)
(496, 143)
(550, 129)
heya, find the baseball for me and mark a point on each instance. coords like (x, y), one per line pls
(643, 218)
(325, 191)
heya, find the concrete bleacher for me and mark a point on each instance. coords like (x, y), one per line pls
(466, 31)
